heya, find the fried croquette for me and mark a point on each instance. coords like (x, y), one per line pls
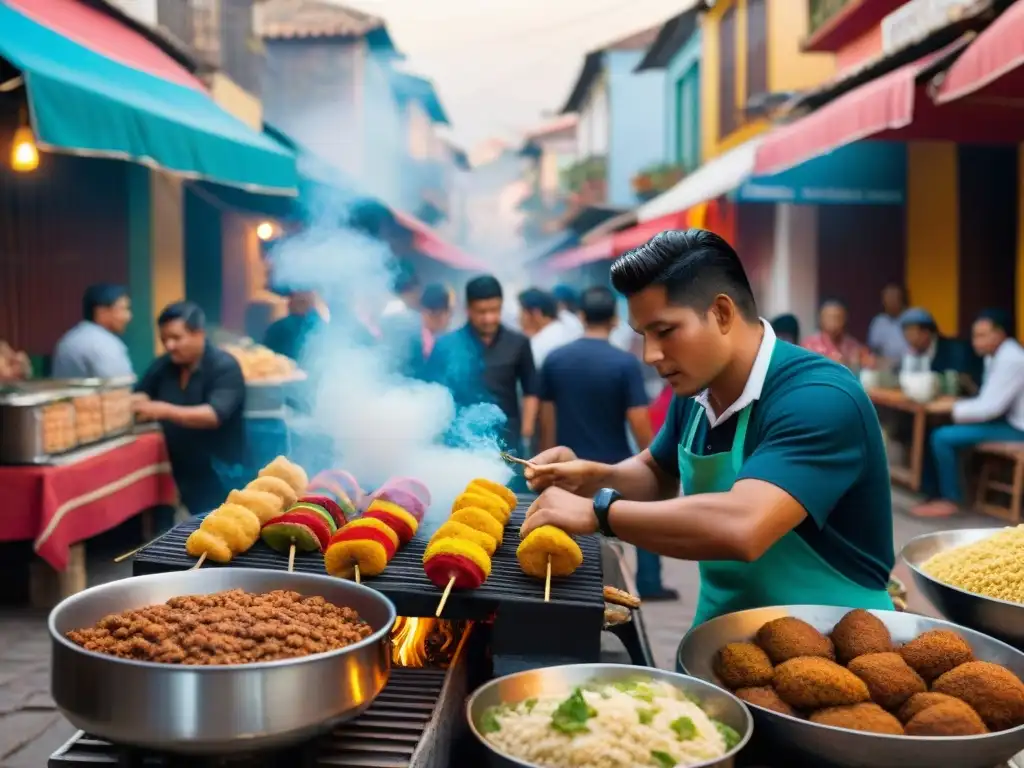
(935, 652)
(993, 691)
(812, 682)
(951, 718)
(743, 665)
(919, 702)
(789, 638)
(765, 697)
(859, 633)
(889, 679)
(868, 717)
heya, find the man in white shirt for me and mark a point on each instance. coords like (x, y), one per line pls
(94, 348)
(568, 303)
(406, 287)
(538, 317)
(995, 415)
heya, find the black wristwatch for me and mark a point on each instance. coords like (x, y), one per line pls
(603, 501)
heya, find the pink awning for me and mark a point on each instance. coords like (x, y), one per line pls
(993, 65)
(429, 243)
(585, 254)
(636, 236)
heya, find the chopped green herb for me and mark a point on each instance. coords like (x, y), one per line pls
(489, 721)
(728, 734)
(684, 728)
(529, 704)
(572, 714)
(638, 689)
(662, 759)
(647, 715)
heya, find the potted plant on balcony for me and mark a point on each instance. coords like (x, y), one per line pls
(655, 179)
(586, 179)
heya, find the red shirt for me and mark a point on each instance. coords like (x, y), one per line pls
(659, 408)
(848, 351)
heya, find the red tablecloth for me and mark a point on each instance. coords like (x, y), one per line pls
(58, 506)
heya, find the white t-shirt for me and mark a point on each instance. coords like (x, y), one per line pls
(554, 335)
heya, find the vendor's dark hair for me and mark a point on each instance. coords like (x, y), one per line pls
(536, 300)
(99, 296)
(186, 311)
(566, 294)
(787, 325)
(482, 288)
(435, 298)
(999, 318)
(693, 265)
(598, 305)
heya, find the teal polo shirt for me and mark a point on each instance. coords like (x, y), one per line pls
(815, 434)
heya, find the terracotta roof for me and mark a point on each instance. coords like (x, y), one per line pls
(635, 41)
(277, 19)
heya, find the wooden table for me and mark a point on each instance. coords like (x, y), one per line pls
(894, 399)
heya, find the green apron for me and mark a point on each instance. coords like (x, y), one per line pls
(789, 573)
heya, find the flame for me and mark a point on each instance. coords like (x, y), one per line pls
(417, 640)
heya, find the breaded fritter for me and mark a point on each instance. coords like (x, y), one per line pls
(859, 633)
(935, 652)
(993, 691)
(867, 717)
(790, 638)
(951, 718)
(812, 682)
(766, 697)
(889, 679)
(919, 702)
(743, 665)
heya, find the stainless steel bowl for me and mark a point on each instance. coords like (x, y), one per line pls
(838, 746)
(216, 709)
(557, 681)
(1001, 619)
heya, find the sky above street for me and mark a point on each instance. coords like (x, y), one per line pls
(500, 65)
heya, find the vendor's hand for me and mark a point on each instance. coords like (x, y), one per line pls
(150, 410)
(942, 404)
(571, 513)
(559, 468)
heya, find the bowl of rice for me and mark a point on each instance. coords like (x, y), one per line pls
(974, 577)
(607, 716)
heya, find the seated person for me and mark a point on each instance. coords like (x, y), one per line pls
(833, 341)
(94, 347)
(995, 415)
(787, 328)
(930, 351)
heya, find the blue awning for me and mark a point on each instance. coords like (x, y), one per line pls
(82, 101)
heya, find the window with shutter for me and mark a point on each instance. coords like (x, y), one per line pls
(757, 48)
(727, 73)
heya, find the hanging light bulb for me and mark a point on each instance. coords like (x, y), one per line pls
(265, 230)
(24, 152)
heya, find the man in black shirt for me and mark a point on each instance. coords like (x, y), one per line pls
(485, 362)
(197, 393)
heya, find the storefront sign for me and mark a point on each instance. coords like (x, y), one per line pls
(865, 173)
(915, 20)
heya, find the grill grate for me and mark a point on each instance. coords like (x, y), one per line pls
(407, 586)
(385, 736)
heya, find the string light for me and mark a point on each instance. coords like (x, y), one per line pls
(24, 152)
(265, 230)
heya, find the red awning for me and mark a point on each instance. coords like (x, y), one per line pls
(878, 109)
(429, 243)
(641, 233)
(585, 254)
(993, 65)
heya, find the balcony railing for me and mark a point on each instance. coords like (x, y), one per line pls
(821, 11)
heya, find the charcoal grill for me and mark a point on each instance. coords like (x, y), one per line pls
(567, 629)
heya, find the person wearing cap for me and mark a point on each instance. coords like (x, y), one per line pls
(568, 306)
(928, 351)
(995, 415)
(94, 347)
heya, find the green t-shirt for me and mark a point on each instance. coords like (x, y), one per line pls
(815, 434)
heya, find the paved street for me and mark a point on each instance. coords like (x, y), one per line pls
(31, 729)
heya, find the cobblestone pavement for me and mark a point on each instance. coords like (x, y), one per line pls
(31, 729)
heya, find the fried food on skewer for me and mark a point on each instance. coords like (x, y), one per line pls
(548, 551)
(229, 530)
(487, 501)
(288, 471)
(265, 505)
(453, 529)
(276, 486)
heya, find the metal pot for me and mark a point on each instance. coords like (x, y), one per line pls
(216, 709)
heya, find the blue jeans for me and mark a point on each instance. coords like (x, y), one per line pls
(648, 573)
(946, 442)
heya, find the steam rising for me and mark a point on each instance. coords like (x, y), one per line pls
(381, 424)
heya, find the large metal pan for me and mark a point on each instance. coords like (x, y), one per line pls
(854, 749)
(1001, 619)
(216, 709)
(547, 681)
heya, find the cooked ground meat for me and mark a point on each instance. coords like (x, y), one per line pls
(233, 627)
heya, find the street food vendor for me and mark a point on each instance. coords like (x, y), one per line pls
(777, 450)
(197, 393)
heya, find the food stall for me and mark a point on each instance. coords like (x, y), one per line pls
(72, 466)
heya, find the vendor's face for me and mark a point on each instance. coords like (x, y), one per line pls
(986, 337)
(530, 321)
(832, 320)
(918, 337)
(484, 315)
(116, 317)
(688, 348)
(437, 320)
(183, 345)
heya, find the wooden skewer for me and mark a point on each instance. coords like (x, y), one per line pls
(126, 555)
(199, 562)
(516, 460)
(444, 597)
(358, 581)
(547, 583)
(291, 557)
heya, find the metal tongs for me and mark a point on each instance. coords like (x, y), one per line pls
(515, 460)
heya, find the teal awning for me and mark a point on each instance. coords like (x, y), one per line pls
(83, 102)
